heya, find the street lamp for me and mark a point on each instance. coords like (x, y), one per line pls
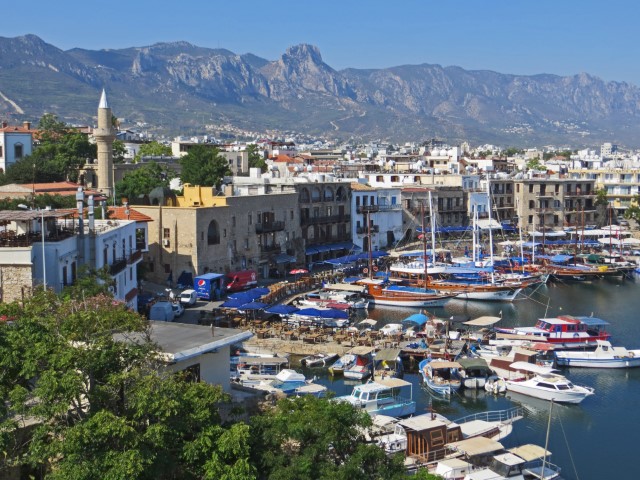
(44, 263)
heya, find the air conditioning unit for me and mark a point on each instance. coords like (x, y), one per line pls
(166, 242)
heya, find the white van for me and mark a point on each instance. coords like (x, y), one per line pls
(188, 298)
(162, 311)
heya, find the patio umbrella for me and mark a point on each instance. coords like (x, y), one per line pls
(333, 313)
(248, 295)
(282, 309)
(298, 271)
(235, 303)
(253, 306)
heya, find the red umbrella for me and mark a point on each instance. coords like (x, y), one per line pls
(297, 271)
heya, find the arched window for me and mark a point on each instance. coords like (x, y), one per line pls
(18, 151)
(213, 234)
(341, 194)
(315, 194)
(304, 196)
(328, 194)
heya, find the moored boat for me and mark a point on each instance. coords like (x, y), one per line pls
(441, 376)
(474, 372)
(318, 359)
(542, 382)
(383, 397)
(604, 356)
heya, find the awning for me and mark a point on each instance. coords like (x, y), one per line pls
(284, 258)
(529, 452)
(476, 446)
(485, 321)
(388, 354)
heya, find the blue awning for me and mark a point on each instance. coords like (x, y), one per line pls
(417, 318)
(282, 309)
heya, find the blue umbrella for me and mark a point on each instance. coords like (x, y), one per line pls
(333, 313)
(419, 318)
(245, 295)
(282, 309)
(235, 302)
(309, 312)
(253, 306)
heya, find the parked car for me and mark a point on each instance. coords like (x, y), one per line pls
(178, 309)
(188, 298)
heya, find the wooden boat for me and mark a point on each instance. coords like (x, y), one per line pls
(441, 376)
(404, 296)
(388, 364)
(604, 356)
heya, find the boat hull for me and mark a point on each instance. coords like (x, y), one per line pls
(566, 396)
(587, 362)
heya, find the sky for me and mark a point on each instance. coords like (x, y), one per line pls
(527, 37)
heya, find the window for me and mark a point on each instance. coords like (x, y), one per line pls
(213, 233)
(291, 215)
(64, 276)
(166, 233)
(0, 150)
(233, 221)
(18, 151)
(224, 233)
(531, 188)
(250, 219)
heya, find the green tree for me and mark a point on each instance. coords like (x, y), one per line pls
(119, 151)
(204, 166)
(100, 403)
(144, 179)
(601, 197)
(256, 160)
(534, 164)
(61, 153)
(152, 149)
(633, 212)
(310, 438)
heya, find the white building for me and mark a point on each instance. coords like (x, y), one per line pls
(15, 143)
(376, 212)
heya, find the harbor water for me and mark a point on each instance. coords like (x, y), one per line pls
(596, 439)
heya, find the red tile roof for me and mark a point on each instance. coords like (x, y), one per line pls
(119, 213)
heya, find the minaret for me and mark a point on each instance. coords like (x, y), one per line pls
(105, 135)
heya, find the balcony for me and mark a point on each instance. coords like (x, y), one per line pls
(269, 227)
(364, 230)
(390, 208)
(368, 208)
(135, 256)
(305, 221)
(270, 248)
(117, 266)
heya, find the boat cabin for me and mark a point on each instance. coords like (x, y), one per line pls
(428, 435)
(567, 324)
(261, 365)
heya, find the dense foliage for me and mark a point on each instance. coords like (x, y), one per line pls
(204, 166)
(152, 149)
(142, 180)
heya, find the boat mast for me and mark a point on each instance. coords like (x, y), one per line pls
(546, 442)
(424, 246)
(493, 280)
(433, 230)
(368, 216)
(520, 234)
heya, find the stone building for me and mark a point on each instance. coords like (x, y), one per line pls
(554, 203)
(203, 232)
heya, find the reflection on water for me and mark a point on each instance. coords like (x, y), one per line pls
(601, 433)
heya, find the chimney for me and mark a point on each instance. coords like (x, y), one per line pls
(91, 214)
(26, 125)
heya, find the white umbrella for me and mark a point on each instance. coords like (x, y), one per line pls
(506, 243)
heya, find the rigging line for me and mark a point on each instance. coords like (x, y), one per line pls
(564, 434)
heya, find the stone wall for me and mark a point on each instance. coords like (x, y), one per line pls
(16, 282)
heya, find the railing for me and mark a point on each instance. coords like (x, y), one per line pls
(269, 227)
(388, 208)
(135, 256)
(325, 219)
(270, 248)
(511, 414)
(117, 266)
(367, 208)
(364, 230)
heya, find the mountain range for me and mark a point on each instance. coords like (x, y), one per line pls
(180, 87)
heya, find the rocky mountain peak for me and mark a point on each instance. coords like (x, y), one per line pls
(303, 53)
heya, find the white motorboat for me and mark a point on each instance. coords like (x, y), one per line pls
(383, 397)
(346, 361)
(495, 384)
(362, 368)
(474, 372)
(604, 356)
(542, 382)
(318, 359)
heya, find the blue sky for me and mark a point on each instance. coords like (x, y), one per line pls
(562, 37)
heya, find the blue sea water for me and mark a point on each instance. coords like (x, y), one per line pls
(597, 439)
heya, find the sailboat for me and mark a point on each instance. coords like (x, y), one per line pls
(383, 293)
(491, 288)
